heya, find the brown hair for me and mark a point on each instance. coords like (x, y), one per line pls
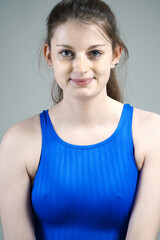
(90, 12)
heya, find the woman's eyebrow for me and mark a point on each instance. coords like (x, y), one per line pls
(92, 46)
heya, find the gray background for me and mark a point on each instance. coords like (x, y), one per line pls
(24, 92)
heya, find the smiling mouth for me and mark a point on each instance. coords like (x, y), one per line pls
(82, 82)
(81, 79)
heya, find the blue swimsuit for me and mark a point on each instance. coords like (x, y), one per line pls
(85, 192)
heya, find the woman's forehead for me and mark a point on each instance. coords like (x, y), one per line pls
(74, 29)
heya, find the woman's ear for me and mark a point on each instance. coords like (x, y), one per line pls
(116, 56)
(47, 54)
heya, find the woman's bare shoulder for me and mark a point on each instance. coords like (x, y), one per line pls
(144, 127)
(24, 140)
(147, 135)
(145, 117)
(146, 122)
(24, 130)
(18, 155)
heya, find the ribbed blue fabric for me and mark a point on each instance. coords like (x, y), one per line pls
(85, 192)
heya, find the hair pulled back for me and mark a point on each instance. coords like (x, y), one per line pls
(90, 12)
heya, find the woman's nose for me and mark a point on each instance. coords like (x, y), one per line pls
(81, 63)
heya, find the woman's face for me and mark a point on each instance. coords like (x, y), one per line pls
(80, 51)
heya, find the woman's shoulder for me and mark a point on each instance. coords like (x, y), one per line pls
(147, 126)
(146, 121)
(143, 115)
(27, 128)
(145, 131)
(23, 141)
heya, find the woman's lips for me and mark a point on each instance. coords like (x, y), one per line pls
(82, 82)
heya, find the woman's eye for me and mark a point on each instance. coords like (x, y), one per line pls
(95, 53)
(66, 54)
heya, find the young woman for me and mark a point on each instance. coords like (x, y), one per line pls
(88, 167)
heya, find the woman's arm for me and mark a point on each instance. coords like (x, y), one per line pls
(145, 218)
(15, 186)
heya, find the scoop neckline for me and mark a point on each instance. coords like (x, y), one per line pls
(122, 117)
